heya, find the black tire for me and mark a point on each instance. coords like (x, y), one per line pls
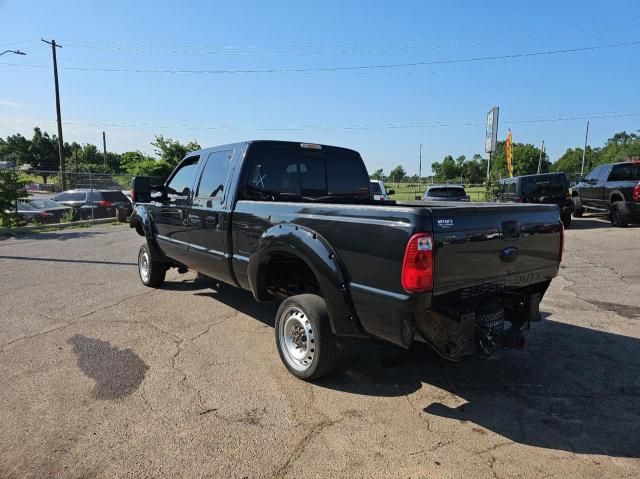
(566, 220)
(305, 342)
(578, 209)
(150, 270)
(620, 214)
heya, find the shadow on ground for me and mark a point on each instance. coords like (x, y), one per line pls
(572, 388)
(593, 221)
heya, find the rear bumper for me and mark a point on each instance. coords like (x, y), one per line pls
(634, 208)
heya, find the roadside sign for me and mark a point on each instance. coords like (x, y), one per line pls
(491, 135)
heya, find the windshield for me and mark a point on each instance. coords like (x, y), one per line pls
(449, 192)
(544, 185)
(375, 188)
(69, 196)
(42, 204)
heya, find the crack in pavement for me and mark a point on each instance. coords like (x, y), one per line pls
(300, 448)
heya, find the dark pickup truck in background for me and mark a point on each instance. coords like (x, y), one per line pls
(613, 189)
(297, 222)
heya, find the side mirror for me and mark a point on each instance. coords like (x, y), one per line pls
(141, 189)
(391, 192)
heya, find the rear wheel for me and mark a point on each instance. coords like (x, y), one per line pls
(566, 220)
(620, 215)
(306, 344)
(578, 209)
(151, 271)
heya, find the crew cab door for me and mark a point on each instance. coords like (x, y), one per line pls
(170, 213)
(600, 194)
(209, 218)
(588, 186)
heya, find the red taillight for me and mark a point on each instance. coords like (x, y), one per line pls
(417, 267)
(45, 213)
(561, 241)
(105, 203)
(519, 199)
(636, 193)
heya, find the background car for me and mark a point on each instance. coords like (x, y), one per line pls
(379, 190)
(612, 188)
(545, 188)
(38, 211)
(445, 193)
(93, 204)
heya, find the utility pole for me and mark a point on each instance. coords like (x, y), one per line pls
(586, 139)
(420, 165)
(60, 140)
(540, 159)
(104, 147)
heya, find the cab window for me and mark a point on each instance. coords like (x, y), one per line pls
(214, 175)
(182, 181)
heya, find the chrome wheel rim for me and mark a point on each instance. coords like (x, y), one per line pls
(143, 266)
(296, 339)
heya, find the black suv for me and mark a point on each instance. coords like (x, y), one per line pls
(546, 188)
(613, 189)
(92, 204)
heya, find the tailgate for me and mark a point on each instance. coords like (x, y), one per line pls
(485, 247)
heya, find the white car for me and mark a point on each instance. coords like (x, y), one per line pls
(379, 191)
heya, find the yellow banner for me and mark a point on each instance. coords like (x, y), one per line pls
(509, 153)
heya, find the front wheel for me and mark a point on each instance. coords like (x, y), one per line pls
(151, 271)
(304, 339)
(578, 209)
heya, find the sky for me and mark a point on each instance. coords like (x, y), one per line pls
(379, 77)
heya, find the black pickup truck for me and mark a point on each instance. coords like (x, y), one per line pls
(297, 222)
(613, 189)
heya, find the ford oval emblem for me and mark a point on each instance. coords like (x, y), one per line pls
(509, 254)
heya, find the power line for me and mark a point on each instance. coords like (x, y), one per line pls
(253, 51)
(346, 68)
(431, 40)
(345, 127)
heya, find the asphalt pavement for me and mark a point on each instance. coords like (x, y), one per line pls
(102, 377)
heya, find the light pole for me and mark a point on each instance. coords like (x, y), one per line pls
(17, 52)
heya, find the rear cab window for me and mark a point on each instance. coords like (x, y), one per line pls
(375, 188)
(290, 172)
(625, 172)
(545, 185)
(448, 192)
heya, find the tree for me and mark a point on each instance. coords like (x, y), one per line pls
(43, 151)
(172, 151)
(11, 190)
(450, 169)
(137, 163)
(378, 174)
(397, 174)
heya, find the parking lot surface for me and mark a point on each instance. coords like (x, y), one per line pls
(102, 377)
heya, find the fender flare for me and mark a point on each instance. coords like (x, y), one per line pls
(616, 193)
(319, 256)
(141, 217)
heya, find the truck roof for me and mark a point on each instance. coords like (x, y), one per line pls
(281, 143)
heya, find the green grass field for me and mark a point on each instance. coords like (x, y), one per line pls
(408, 191)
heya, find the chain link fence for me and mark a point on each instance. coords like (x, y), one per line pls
(48, 197)
(415, 191)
